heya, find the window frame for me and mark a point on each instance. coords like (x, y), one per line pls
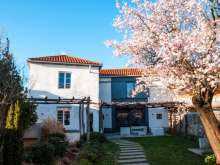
(65, 85)
(64, 110)
(159, 116)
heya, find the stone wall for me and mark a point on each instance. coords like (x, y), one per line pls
(190, 124)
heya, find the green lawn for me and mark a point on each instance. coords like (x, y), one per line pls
(110, 155)
(169, 150)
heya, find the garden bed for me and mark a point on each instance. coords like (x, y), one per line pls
(97, 151)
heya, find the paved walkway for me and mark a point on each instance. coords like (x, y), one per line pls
(131, 153)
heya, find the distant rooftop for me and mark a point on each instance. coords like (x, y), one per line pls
(63, 59)
(123, 72)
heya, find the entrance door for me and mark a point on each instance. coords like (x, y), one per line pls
(91, 122)
(126, 117)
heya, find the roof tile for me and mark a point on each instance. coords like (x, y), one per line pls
(121, 72)
(65, 59)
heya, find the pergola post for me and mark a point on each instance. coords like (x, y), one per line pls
(82, 114)
(88, 118)
(100, 118)
(80, 120)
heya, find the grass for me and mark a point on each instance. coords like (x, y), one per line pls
(110, 155)
(169, 150)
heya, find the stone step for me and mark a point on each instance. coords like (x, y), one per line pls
(132, 153)
(137, 164)
(126, 143)
(125, 148)
(131, 150)
(141, 160)
(132, 156)
(129, 145)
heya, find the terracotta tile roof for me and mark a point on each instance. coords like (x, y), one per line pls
(120, 72)
(63, 59)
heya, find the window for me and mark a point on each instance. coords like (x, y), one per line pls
(159, 116)
(63, 115)
(64, 80)
(130, 88)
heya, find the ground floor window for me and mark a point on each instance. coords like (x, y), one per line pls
(63, 115)
(159, 116)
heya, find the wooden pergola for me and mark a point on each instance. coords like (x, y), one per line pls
(84, 104)
(171, 106)
(142, 103)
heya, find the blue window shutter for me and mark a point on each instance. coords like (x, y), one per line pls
(61, 80)
(68, 80)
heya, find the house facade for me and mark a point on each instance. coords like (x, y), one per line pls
(116, 86)
(65, 77)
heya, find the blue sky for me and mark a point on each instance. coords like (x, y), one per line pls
(48, 27)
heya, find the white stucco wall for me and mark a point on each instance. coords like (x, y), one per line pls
(93, 109)
(158, 94)
(188, 100)
(50, 110)
(43, 81)
(73, 137)
(107, 112)
(105, 90)
(158, 123)
(106, 96)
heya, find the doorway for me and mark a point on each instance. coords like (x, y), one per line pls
(130, 116)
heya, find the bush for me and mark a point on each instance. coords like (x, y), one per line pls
(59, 143)
(91, 151)
(43, 153)
(85, 162)
(12, 147)
(98, 136)
(51, 126)
(60, 135)
(94, 136)
(210, 159)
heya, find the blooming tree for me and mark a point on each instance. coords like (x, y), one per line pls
(179, 41)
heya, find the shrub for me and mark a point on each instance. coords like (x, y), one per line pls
(12, 147)
(98, 136)
(28, 116)
(91, 151)
(43, 153)
(210, 159)
(94, 136)
(60, 135)
(59, 143)
(51, 126)
(85, 162)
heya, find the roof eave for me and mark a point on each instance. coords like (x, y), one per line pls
(62, 63)
(120, 75)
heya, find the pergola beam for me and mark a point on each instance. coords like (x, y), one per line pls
(59, 100)
(146, 104)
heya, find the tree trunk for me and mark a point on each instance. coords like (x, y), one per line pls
(211, 126)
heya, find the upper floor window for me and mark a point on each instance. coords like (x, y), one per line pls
(64, 80)
(130, 88)
(63, 115)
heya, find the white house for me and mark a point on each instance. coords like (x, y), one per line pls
(65, 77)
